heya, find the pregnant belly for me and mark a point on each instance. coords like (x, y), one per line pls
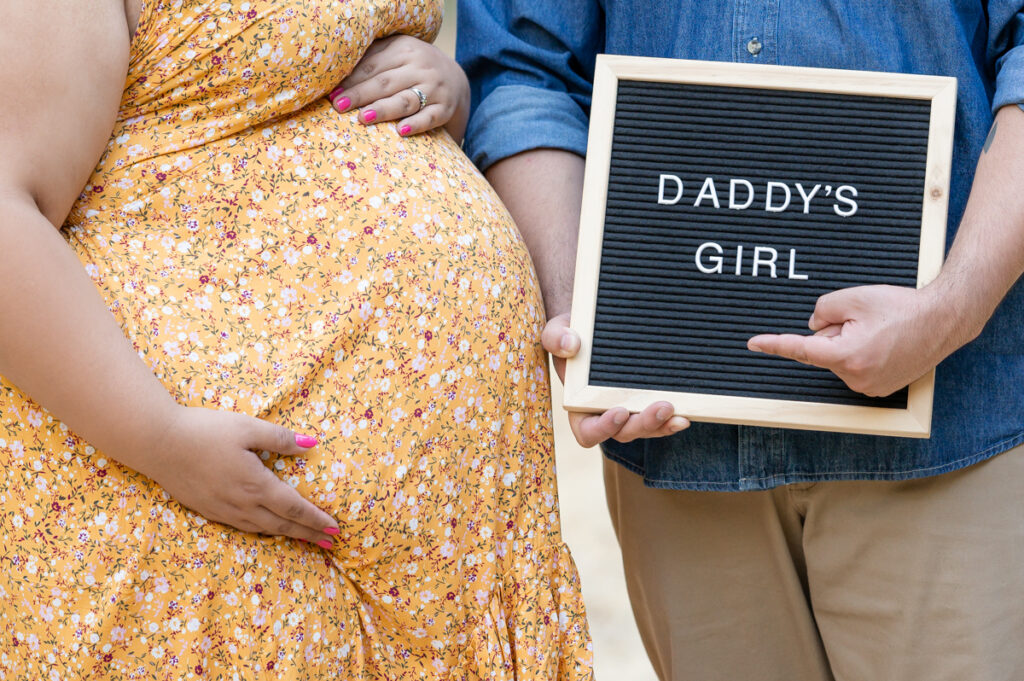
(342, 280)
(239, 267)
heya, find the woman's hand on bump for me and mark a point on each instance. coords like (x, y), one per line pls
(383, 87)
(657, 420)
(206, 461)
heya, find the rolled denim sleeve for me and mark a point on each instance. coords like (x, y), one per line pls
(531, 68)
(1006, 51)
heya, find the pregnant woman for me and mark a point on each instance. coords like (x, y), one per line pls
(302, 432)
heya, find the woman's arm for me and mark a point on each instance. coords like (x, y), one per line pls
(64, 64)
(47, 151)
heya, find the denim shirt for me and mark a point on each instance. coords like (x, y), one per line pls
(531, 67)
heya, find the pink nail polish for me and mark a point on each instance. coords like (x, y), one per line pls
(305, 441)
(324, 544)
(342, 103)
(405, 130)
(335, 92)
(370, 116)
(332, 531)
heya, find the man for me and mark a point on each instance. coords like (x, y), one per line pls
(765, 554)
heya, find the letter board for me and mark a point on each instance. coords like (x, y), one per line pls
(720, 201)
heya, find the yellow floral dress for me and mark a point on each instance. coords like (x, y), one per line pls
(270, 256)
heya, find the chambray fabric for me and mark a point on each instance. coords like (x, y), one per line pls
(531, 66)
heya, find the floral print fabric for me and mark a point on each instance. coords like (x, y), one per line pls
(267, 255)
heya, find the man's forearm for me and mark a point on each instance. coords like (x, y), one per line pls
(987, 256)
(543, 191)
(879, 339)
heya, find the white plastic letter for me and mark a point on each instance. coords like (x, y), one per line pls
(839, 197)
(732, 194)
(807, 197)
(707, 191)
(716, 268)
(768, 198)
(792, 264)
(769, 262)
(661, 190)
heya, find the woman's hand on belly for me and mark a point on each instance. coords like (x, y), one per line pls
(384, 83)
(205, 461)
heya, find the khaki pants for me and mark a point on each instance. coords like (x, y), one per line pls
(849, 581)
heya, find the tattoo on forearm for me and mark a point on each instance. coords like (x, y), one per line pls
(991, 136)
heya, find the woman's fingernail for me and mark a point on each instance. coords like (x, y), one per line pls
(342, 104)
(369, 115)
(405, 130)
(335, 92)
(324, 544)
(663, 413)
(305, 441)
(566, 342)
(620, 418)
(332, 531)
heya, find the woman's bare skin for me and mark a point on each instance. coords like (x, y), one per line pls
(103, 391)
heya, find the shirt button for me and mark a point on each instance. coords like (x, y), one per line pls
(754, 46)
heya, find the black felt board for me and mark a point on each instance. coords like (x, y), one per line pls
(662, 324)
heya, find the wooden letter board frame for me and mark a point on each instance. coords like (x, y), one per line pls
(581, 395)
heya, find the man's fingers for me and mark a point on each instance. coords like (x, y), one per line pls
(651, 422)
(558, 339)
(657, 420)
(784, 345)
(593, 429)
(819, 350)
(832, 308)
(559, 368)
(672, 426)
(830, 331)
